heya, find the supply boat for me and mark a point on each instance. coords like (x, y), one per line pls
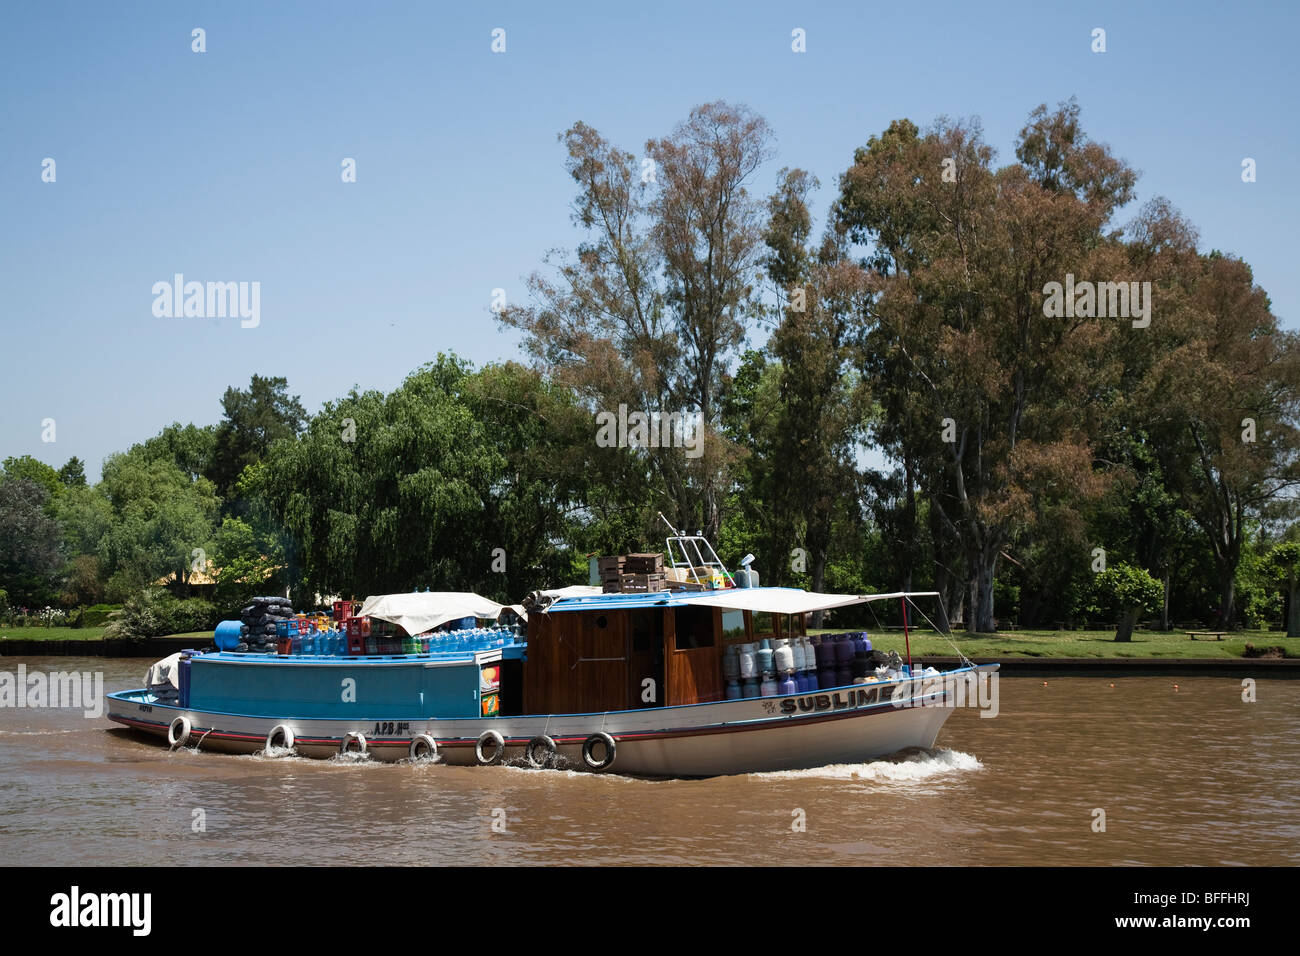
(649, 681)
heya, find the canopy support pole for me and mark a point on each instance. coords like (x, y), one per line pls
(906, 640)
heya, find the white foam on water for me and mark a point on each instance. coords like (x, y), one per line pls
(36, 733)
(353, 757)
(915, 767)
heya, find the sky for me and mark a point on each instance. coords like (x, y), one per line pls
(226, 165)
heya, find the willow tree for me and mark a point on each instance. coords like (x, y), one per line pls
(655, 302)
(456, 480)
(984, 391)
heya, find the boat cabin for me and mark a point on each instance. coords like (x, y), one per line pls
(602, 652)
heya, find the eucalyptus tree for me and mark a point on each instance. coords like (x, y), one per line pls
(984, 390)
(655, 302)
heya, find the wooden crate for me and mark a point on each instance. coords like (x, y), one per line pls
(644, 564)
(633, 583)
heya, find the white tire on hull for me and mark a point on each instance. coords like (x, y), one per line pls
(179, 732)
(498, 745)
(346, 746)
(284, 732)
(423, 747)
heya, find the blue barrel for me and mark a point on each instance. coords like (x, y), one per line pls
(227, 635)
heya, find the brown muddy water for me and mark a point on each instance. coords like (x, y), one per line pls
(1185, 771)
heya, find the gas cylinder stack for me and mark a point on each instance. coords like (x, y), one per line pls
(774, 667)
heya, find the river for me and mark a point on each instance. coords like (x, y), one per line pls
(1184, 771)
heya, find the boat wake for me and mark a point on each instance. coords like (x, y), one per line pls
(909, 766)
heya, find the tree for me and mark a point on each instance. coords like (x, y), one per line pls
(29, 540)
(1227, 390)
(159, 517)
(253, 419)
(1282, 563)
(821, 403)
(985, 392)
(73, 473)
(27, 468)
(428, 482)
(1126, 592)
(657, 300)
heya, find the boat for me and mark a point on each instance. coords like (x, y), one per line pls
(626, 681)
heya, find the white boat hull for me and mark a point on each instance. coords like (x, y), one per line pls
(799, 731)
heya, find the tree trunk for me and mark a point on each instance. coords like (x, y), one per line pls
(1227, 599)
(1164, 607)
(941, 585)
(1293, 609)
(982, 591)
(818, 581)
(1124, 632)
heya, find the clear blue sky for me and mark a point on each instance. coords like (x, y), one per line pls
(225, 165)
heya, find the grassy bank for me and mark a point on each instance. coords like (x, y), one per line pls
(1099, 644)
(75, 634)
(53, 633)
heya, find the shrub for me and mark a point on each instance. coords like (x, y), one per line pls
(96, 615)
(153, 612)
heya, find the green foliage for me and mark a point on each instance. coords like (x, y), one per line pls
(95, 616)
(29, 541)
(422, 486)
(152, 612)
(1124, 589)
(29, 469)
(160, 515)
(73, 473)
(253, 419)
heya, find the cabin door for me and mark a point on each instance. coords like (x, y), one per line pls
(695, 655)
(645, 658)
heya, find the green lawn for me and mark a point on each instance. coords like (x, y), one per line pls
(53, 633)
(1083, 644)
(73, 633)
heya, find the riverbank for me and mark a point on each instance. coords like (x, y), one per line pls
(1021, 652)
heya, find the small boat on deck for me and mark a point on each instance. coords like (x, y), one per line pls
(642, 682)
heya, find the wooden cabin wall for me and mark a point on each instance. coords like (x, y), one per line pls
(575, 665)
(694, 675)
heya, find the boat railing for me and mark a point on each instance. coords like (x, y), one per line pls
(689, 553)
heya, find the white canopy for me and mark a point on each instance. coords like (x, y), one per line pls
(786, 600)
(422, 611)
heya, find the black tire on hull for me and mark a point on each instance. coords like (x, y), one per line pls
(588, 751)
(540, 752)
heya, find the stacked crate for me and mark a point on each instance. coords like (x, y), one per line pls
(611, 573)
(643, 572)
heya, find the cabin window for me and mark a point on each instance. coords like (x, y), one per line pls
(733, 625)
(647, 632)
(694, 628)
(764, 625)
